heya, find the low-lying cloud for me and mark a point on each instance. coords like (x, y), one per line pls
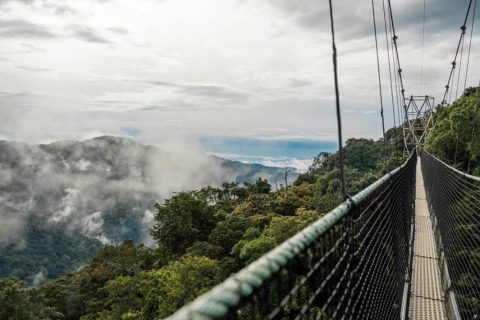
(105, 188)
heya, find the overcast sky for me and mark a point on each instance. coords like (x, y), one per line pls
(180, 70)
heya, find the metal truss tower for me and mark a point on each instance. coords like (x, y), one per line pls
(418, 119)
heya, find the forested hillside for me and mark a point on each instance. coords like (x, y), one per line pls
(46, 251)
(455, 137)
(60, 201)
(202, 236)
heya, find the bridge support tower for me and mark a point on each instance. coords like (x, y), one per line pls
(418, 112)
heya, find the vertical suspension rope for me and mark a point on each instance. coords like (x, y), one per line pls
(399, 97)
(452, 70)
(337, 103)
(399, 70)
(379, 84)
(470, 45)
(391, 81)
(459, 68)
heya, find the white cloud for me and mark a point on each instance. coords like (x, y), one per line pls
(92, 224)
(105, 188)
(148, 222)
(301, 165)
(39, 278)
(82, 164)
(232, 67)
(11, 228)
(68, 205)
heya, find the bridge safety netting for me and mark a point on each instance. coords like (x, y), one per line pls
(454, 201)
(353, 263)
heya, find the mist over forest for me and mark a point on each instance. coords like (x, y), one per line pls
(96, 192)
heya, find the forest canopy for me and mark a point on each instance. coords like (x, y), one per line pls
(455, 137)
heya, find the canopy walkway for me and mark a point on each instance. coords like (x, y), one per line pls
(426, 298)
(406, 247)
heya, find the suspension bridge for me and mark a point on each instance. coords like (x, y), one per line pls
(406, 247)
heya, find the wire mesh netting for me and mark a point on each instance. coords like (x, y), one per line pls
(454, 201)
(351, 264)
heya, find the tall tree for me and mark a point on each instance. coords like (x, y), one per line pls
(182, 220)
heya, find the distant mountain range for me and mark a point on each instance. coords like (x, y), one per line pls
(99, 190)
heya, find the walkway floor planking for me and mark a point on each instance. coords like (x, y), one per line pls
(426, 298)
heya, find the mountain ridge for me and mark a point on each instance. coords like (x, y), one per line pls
(103, 189)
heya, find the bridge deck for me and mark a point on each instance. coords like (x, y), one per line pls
(426, 298)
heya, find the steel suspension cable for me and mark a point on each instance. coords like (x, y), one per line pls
(379, 82)
(470, 44)
(395, 38)
(454, 62)
(337, 104)
(460, 68)
(454, 68)
(391, 80)
(401, 106)
(400, 103)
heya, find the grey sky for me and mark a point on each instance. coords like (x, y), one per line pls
(175, 70)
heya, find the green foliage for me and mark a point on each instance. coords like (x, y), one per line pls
(363, 154)
(455, 137)
(47, 250)
(281, 228)
(178, 283)
(182, 220)
(253, 245)
(65, 295)
(204, 248)
(87, 292)
(260, 186)
(254, 249)
(292, 199)
(228, 232)
(255, 204)
(122, 299)
(19, 302)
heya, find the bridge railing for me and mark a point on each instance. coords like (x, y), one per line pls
(353, 263)
(454, 201)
